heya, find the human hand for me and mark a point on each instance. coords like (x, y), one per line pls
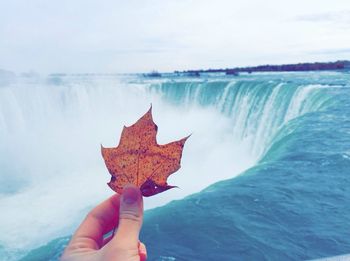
(123, 211)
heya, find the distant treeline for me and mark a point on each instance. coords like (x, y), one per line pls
(338, 65)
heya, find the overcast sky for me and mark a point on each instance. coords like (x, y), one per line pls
(139, 36)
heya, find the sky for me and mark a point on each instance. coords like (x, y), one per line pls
(118, 36)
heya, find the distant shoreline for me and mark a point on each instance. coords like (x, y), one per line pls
(299, 67)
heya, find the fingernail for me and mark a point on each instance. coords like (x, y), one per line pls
(130, 195)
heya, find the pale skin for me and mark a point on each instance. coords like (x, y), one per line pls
(122, 211)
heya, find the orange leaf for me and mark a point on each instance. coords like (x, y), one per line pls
(139, 160)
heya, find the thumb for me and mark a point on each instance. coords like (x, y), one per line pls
(130, 218)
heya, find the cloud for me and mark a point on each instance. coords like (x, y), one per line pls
(340, 51)
(138, 36)
(340, 17)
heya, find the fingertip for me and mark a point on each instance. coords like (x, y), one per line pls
(142, 251)
(131, 204)
(130, 217)
(131, 195)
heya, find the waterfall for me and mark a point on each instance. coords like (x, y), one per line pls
(51, 131)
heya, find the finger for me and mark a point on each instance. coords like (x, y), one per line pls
(98, 222)
(142, 251)
(130, 218)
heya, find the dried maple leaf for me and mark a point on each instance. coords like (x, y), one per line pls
(139, 160)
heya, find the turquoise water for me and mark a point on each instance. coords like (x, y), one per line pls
(274, 185)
